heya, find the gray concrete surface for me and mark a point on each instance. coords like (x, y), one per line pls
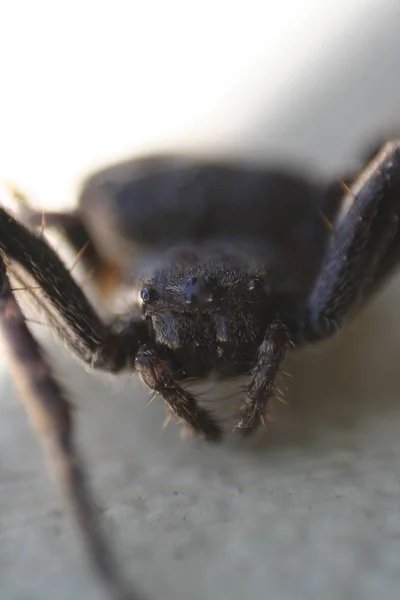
(308, 510)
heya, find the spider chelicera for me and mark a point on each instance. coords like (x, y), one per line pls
(219, 268)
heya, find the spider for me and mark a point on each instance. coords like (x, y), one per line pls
(218, 268)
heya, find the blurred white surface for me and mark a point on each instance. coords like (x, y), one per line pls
(86, 82)
(312, 509)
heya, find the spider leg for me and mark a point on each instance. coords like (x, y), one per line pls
(154, 373)
(270, 357)
(50, 415)
(363, 247)
(70, 314)
(71, 227)
(390, 261)
(105, 274)
(69, 224)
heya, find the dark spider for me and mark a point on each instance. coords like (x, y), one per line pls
(222, 268)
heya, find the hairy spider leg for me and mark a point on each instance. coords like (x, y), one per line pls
(154, 372)
(67, 308)
(105, 274)
(270, 357)
(363, 248)
(50, 415)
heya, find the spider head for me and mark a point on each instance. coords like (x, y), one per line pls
(205, 303)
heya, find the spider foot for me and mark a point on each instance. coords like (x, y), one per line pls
(180, 403)
(199, 426)
(201, 423)
(249, 421)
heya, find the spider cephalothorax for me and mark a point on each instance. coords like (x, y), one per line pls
(221, 300)
(220, 267)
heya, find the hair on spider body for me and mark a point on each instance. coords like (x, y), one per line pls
(220, 268)
(204, 293)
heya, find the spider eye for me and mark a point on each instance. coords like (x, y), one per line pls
(193, 290)
(254, 285)
(147, 294)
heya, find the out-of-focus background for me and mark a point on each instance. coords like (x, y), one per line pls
(312, 508)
